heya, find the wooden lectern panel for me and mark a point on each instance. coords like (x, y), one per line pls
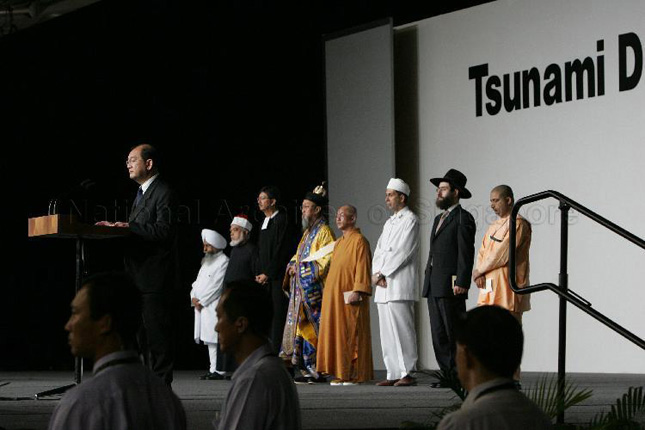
(68, 227)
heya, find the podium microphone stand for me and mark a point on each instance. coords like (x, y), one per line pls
(68, 227)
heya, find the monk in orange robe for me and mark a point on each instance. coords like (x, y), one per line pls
(344, 343)
(491, 272)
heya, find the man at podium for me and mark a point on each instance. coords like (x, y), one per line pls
(151, 257)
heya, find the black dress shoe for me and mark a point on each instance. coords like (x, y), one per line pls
(212, 376)
(302, 380)
(438, 385)
(319, 380)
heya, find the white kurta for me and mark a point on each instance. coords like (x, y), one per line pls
(396, 257)
(208, 288)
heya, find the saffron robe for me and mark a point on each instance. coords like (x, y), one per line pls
(300, 339)
(492, 261)
(345, 344)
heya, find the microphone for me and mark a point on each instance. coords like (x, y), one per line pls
(83, 187)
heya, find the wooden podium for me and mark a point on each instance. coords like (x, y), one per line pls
(69, 227)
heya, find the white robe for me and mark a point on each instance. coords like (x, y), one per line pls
(396, 257)
(208, 288)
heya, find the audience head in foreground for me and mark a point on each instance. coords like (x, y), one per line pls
(489, 349)
(262, 394)
(123, 394)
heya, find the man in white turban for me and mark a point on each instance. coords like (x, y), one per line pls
(206, 292)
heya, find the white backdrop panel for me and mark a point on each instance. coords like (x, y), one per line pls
(360, 133)
(591, 150)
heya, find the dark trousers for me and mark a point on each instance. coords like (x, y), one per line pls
(156, 335)
(225, 362)
(280, 308)
(444, 313)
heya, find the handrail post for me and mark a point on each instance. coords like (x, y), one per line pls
(564, 285)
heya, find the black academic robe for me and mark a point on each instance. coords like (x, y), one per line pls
(242, 263)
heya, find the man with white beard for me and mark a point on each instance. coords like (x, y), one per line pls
(206, 292)
(242, 266)
(243, 262)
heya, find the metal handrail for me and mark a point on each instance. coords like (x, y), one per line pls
(562, 290)
(568, 294)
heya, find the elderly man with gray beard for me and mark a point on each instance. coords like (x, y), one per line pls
(243, 261)
(205, 294)
(306, 274)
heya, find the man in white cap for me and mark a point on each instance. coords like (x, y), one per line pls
(394, 273)
(207, 289)
(243, 263)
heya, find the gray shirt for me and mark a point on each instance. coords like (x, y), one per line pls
(262, 396)
(496, 405)
(123, 394)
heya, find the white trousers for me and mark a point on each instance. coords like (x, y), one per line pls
(398, 338)
(212, 353)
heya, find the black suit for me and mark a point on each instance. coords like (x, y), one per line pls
(276, 247)
(151, 260)
(452, 252)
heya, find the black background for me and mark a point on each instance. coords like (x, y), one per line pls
(230, 92)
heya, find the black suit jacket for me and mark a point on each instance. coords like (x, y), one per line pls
(151, 254)
(276, 247)
(452, 252)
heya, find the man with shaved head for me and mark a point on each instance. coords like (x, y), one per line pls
(491, 271)
(344, 344)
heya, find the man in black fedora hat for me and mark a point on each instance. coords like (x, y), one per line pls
(450, 263)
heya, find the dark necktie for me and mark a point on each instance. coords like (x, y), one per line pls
(139, 197)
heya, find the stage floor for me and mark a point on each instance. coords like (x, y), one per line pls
(323, 406)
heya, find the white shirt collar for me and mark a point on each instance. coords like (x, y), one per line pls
(400, 213)
(147, 183)
(265, 223)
